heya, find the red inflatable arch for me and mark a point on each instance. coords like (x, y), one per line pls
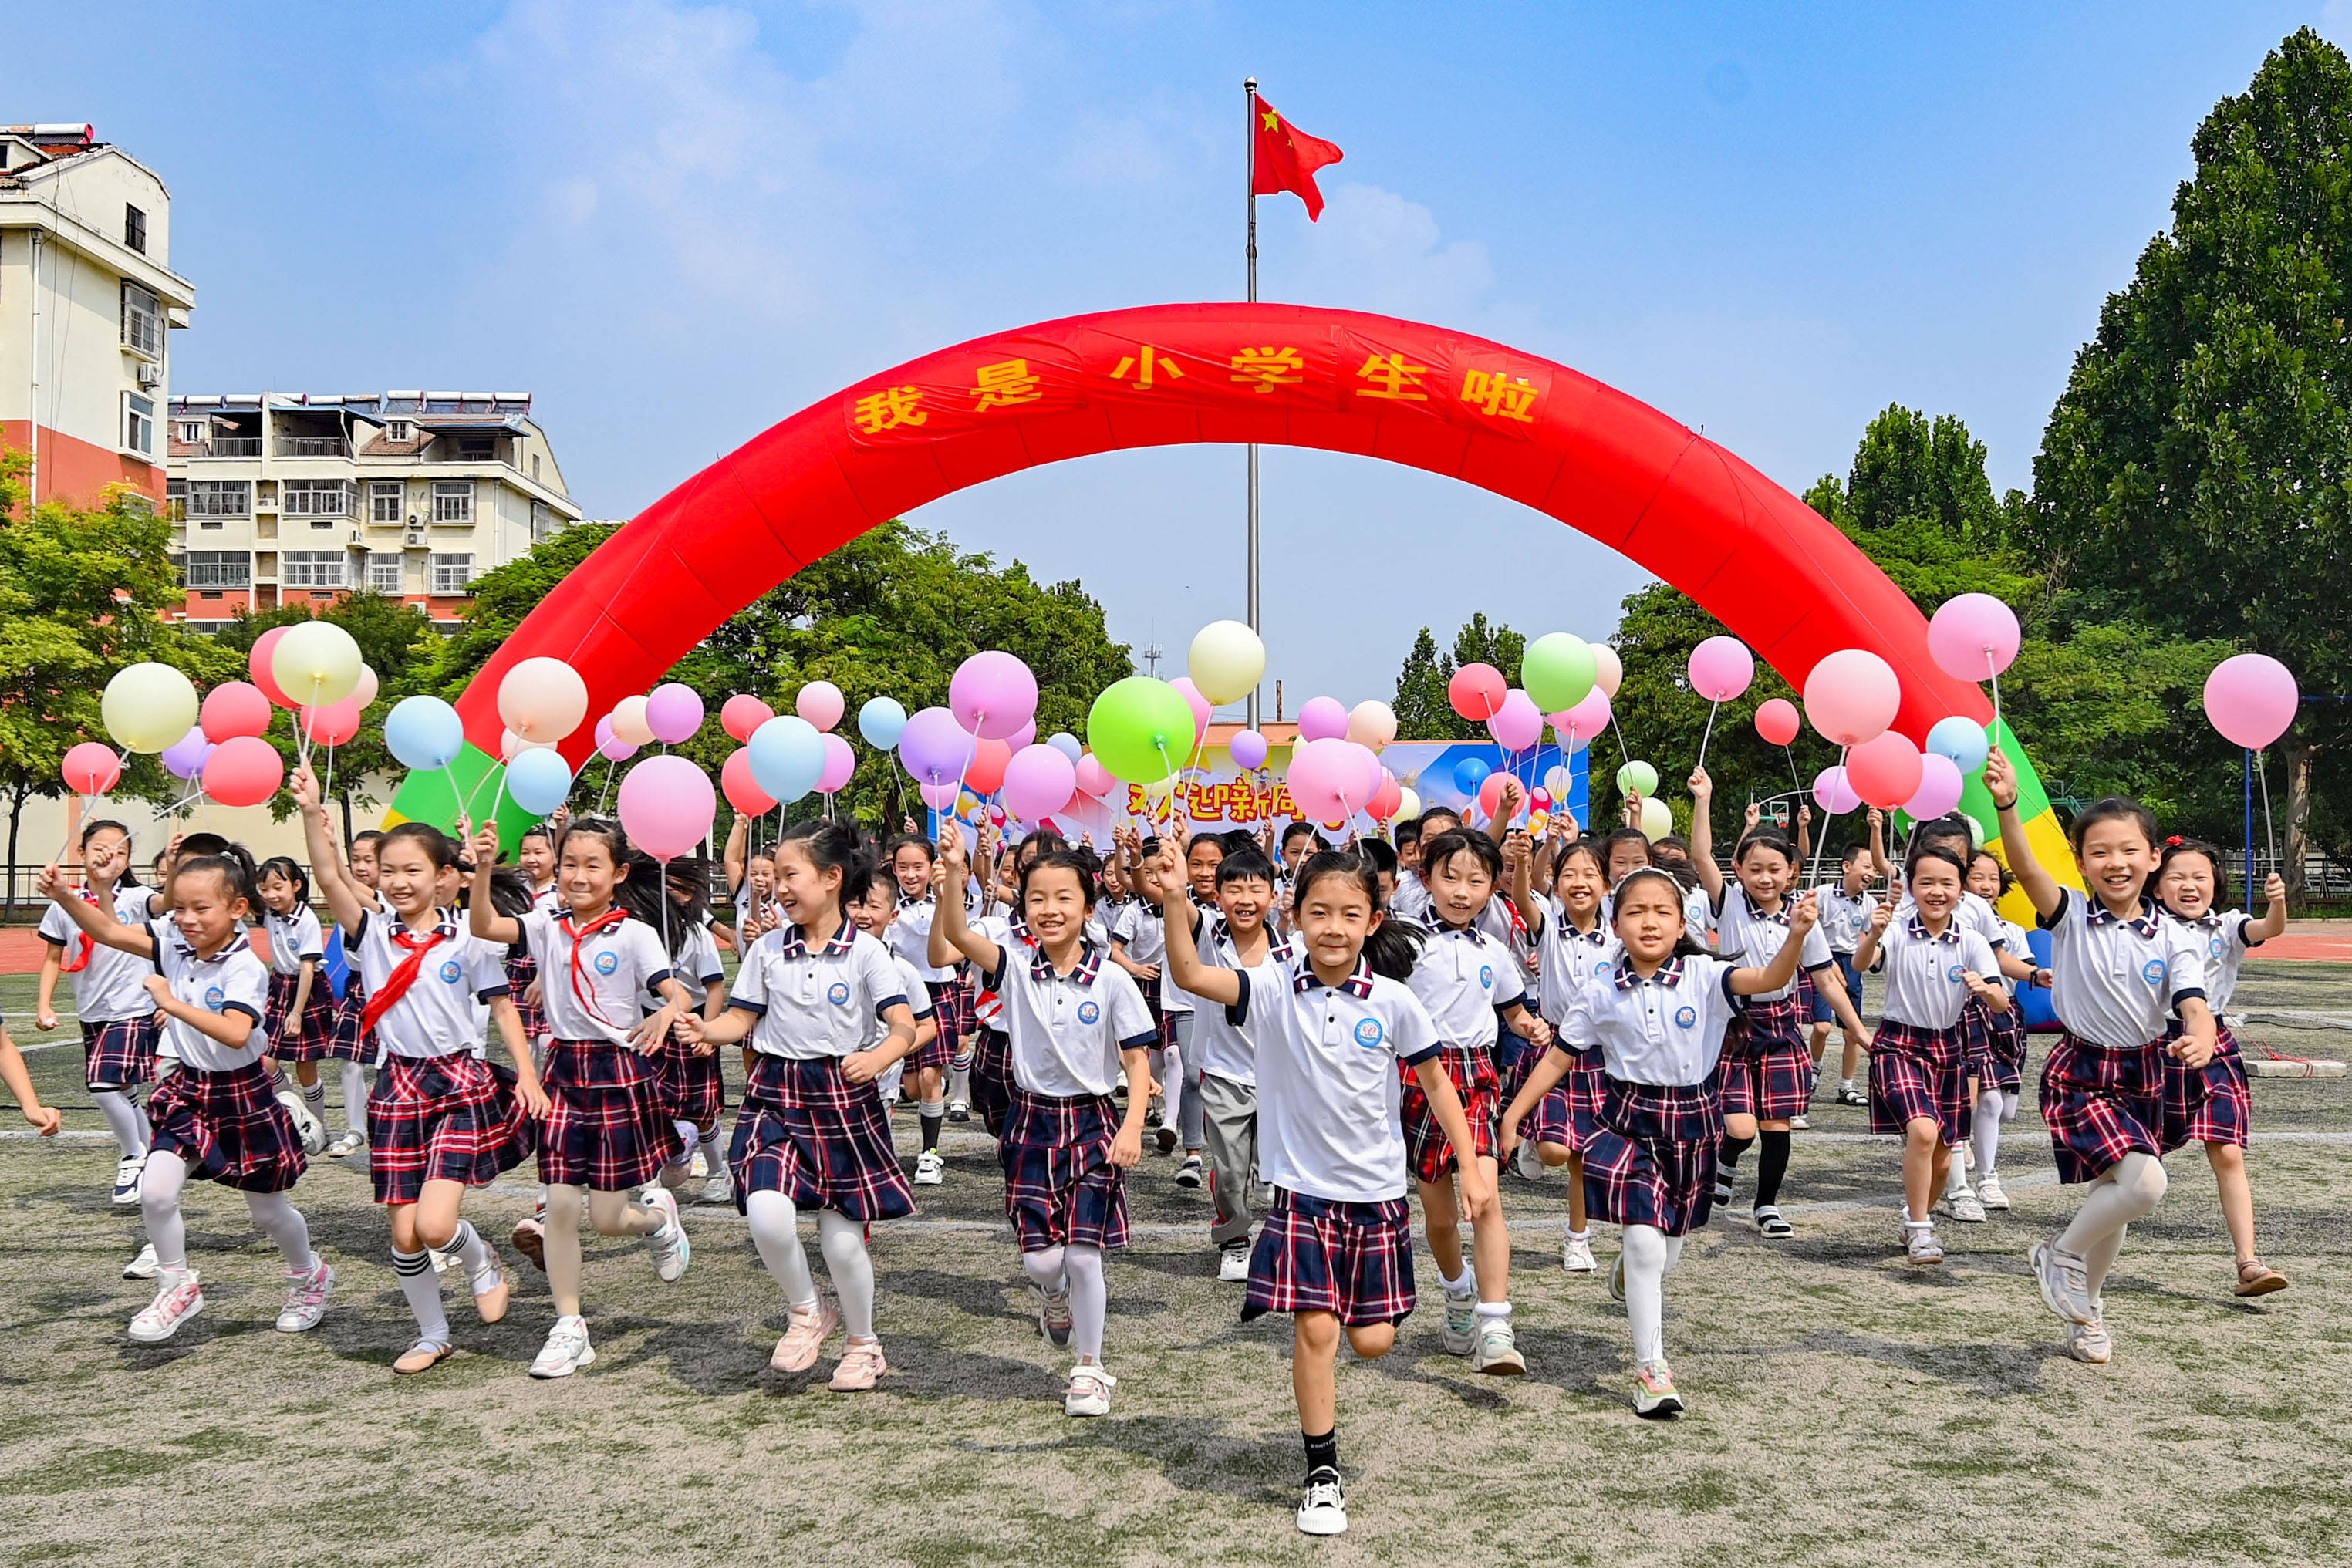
(1603, 463)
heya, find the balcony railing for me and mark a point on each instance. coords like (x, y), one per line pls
(234, 446)
(312, 446)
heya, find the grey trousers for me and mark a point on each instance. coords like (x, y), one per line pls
(1229, 1137)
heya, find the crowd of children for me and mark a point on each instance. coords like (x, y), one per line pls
(1315, 1032)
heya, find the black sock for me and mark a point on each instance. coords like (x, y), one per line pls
(931, 1125)
(1771, 1167)
(1323, 1452)
(1727, 1158)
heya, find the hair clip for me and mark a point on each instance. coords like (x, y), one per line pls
(2173, 842)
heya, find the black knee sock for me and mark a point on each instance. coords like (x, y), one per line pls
(1323, 1452)
(931, 1125)
(1771, 1167)
(1727, 1158)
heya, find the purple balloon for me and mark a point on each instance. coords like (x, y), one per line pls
(673, 712)
(185, 757)
(1249, 749)
(610, 745)
(939, 797)
(934, 748)
(840, 762)
(1322, 718)
(1832, 794)
(993, 695)
(1039, 781)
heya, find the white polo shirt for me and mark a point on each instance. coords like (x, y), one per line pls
(112, 984)
(1699, 912)
(620, 967)
(1226, 1047)
(1754, 938)
(696, 965)
(233, 980)
(2115, 981)
(294, 937)
(2222, 936)
(441, 1012)
(1973, 913)
(1328, 1092)
(1569, 957)
(1067, 1030)
(909, 935)
(818, 1001)
(2013, 942)
(1145, 932)
(1925, 975)
(918, 1001)
(1843, 919)
(1665, 1031)
(1460, 978)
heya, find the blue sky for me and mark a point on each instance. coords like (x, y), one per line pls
(678, 223)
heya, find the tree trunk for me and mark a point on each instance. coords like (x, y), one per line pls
(2298, 812)
(15, 813)
(345, 798)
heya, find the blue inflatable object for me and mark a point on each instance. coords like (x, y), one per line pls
(1468, 774)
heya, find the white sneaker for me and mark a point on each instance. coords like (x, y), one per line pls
(719, 1188)
(1323, 1506)
(1527, 1161)
(1920, 1244)
(1090, 1390)
(126, 1177)
(1965, 1205)
(2090, 1342)
(2065, 1288)
(1576, 1254)
(1497, 1354)
(672, 1249)
(1458, 1334)
(930, 1169)
(308, 1128)
(348, 1141)
(181, 1298)
(146, 1266)
(1053, 1320)
(1798, 1123)
(1990, 1193)
(306, 1299)
(1233, 1263)
(1967, 1157)
(567, 1349)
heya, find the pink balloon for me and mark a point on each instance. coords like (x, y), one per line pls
(985, 773)
(1387, 798)
(2251, 699)
(1368, 764)
(1884, 770)
(1851, 697)
(1973, 637)
(1248, 749)
(820, 703)
(1476, 691)
(673, 712)
(1197, 702)
(1490, 795)
(1325, 781)
(1322, 719)
(993, 695)
(91, 768)
(235, 708)
(243, 770)
(743, 791)
(1027, 735)
(334, 725)
(1832, 793)
(666, 805)
(1721, 668)
(265, 647)
(1777, 722)
(1038, 782)
(939, 797)
(1517, 724)
(840, 762)
(1940, 785)
(1579, 725)
(1094, 779)
(611, 746)
(739, 715)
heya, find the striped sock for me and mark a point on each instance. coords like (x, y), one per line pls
(418, 1284)
(314, 1095)
(481, 1262)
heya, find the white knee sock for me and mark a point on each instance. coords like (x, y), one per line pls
(284, 1224)
(842, 1241)
(1650, 1256)
(354, 1098)
(159, 1206)
(124, 1120)
(422, 1287)
(775, 1231)
(2132, 1190)
(1986, 1131)
(314, 1095)
(479, 1260)
(1089, 1298)
(1046, 1271)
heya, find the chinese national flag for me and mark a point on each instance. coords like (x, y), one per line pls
(1285, 158)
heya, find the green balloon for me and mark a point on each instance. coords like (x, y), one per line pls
(1638, 778)
(1558, 671)
(1142, 729)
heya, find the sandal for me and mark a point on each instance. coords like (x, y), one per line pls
(1768, 1222)
(2256, 1277)
(422, 1357)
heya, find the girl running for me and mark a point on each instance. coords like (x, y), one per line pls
(1999, 1063)
(111, 1000)
(1576, 945)
(687, 1073)
(874, 914)
(913, 863)
(299, 1026)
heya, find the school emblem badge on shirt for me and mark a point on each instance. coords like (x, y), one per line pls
(1088, 1012)
(451, 972)
(2153, 971)
(1685, 1017)
(1486, 976)
(1369, 1033)
(213, 995)
(606, 963)
(838, 995)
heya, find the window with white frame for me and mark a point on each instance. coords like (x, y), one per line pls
(383, 574)
(314, 498)
(142, 320)
(192, 432)
(399, 430)
(311, 569)
(453, 500)
(139, 425)
(384, 500)
(451, 574)
(219, 569)
(215, 499)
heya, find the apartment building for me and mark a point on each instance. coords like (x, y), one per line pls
(300, 499)
(88, 302)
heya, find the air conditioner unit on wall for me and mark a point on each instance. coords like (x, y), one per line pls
(416, 539)
(149, 374)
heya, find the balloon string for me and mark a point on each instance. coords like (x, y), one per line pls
(1996, 690)
(2268, 838)
(1793, 779)
(1708, 733)
(1822, 840)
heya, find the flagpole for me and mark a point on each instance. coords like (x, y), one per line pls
(1249, 163)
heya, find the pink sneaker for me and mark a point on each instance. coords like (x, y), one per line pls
(306, 1299)
(805, 1335)
(179, 1298)
(861, 1364)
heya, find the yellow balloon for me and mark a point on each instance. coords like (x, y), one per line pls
(1657, 819)
(315, 663)
(1227, 662)
(1370, 724)
(629, 722)
(148, 707)
(1408, 805)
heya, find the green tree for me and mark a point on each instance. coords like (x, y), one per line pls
(502, 597)
(1424, 710)
(2194, 474)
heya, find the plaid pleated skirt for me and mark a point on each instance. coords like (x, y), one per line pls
(1920, 1074)
(523, 973)
(2102, 1104)
(1059, 1184)
(1996, 1044)
(951, 1011)
(690, 1082)
(822, 1141)
(1767, 1070)
(1651, 1156)
(606, 1128)
(2209, 1105)
(315, 1040)
(351, 1041)
(443, 1118)
(1322, 1255)
(1564, 1115)
(229, 1128)
(992, 1077)
(1426, 1148)
(119, 1051)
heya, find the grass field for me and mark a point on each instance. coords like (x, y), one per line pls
(1846, 1409)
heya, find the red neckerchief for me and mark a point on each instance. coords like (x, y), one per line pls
(81, 955)
(397, 986)
(579, 935)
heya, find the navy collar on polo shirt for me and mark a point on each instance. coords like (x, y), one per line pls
(795, 943)
(2144, 921)
(188, 955)
(1670, 974)
(1089, 964)
(1779, 917)
(1358, 985)
(1919, 929)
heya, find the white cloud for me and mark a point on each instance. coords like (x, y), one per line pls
(1375, 250)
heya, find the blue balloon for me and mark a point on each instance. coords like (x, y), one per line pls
(1469, 773)
(1962, 740)
(538, 780)
(423, 733)
(788, 756)
(1068, 745)
(879, 721)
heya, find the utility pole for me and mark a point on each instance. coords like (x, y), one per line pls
(1249, 163)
